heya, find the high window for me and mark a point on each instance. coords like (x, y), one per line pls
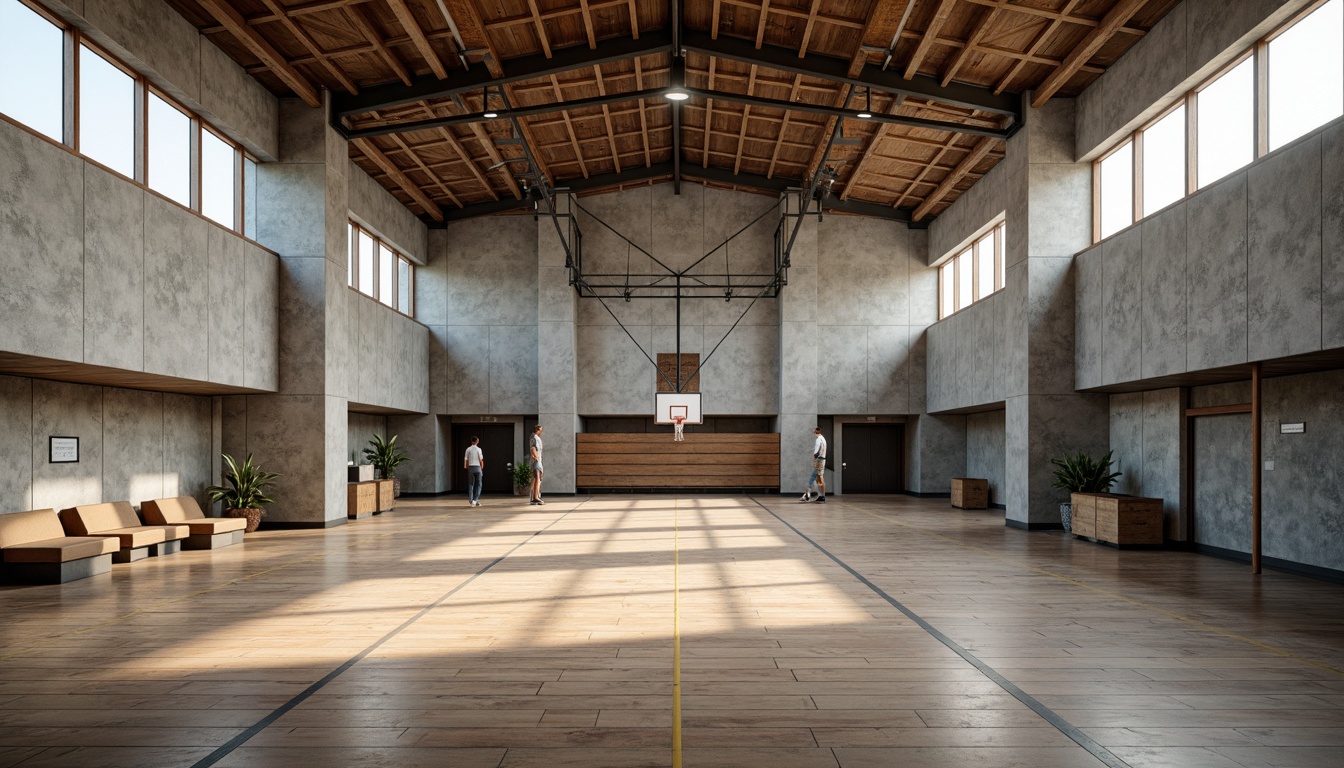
(1222, 126)
(105, 111)
(379, 271)
(974, 272)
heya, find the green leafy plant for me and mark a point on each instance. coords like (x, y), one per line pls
(522, 474)
(1080, 474)
(385, 456)
(247, 487)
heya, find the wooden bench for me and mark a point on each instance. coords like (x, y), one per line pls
(118, 519)
(36, 550)
(1117, 519)
(653, 460)
(203, 532)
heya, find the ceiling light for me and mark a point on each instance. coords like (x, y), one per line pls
(493, 114)
(863, 115)
(867, 111)
(490, 114)
(677, 94)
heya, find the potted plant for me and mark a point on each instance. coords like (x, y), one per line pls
(522, 478)
(385, 457)
(246, 492)
(1080, 474)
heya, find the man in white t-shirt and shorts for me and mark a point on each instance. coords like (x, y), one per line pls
(534, 456)
(818, 470)
(474, 463)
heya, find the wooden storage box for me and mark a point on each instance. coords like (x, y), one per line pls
(1117, 519)
(362, 500)
(970, 492)
(386, 497)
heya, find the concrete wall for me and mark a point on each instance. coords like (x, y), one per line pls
(1146, 433)
(1246, 269)
(361, 428)
(1192, 42)
(985, 451)
(374, 207)
(976, 207)
(134, 445)
(387, 361)
(100, 271)
(967, 353)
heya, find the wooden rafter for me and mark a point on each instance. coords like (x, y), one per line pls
(807, 30)
(930, 36)
(714, 20)
(541, 29)
(569, 126)
(1062, 15)
(588, 24)
(461, 151)
(972, 41)
(746, 118)
(606, 117)
(760, 24)
(372, 152)
(643, 118)
(1114, 19)
(491, 151)
(311, 46)
(417, 35)
(419, 163)
(634, 19)
(964, 167)
(225, 14)
(709, 113)
(870, 150)
(359, 18)
(946, 147)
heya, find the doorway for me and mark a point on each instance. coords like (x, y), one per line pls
(874, 458)
(496, 445)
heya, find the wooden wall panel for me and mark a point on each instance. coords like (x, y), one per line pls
(654, 460)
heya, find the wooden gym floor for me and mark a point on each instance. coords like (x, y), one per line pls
(440, 635)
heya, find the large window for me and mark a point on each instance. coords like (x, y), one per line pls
(378, 271)
(974, 272)
(102, 109)
(32, 69)
(1300, 69)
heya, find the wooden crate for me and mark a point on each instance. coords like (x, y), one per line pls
(361, 500)
(1118, 519)
(970, 492)
(386, 497)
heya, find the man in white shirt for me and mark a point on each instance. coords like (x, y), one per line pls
(474, 463)
(818, 470)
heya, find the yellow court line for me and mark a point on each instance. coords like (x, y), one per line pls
(676, 635)
(43, 642)
(1113, 595)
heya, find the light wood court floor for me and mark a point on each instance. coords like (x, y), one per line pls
(508, 635)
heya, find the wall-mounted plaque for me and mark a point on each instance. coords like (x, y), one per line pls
(63, 450)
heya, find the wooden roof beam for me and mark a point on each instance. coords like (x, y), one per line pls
(929, 36)
(964, 167)
(606, 117)
(784, 127)
(569, 126)
(807, 30)
(870, 149)
(360, 20)
(746, 118)
(973, 40)
(760, 24)
(433, 177)
(1121, 13)
(541, 29)
(233, 21)
(643, 118)
(417, 35)
(311, 46)
(588, 24)
(634, 19)
(372, 152)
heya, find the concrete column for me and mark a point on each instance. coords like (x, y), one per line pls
(798, 355)
(557, 356)
(300, 432)
(1049, 220)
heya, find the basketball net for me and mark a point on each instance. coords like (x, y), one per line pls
(676, 431)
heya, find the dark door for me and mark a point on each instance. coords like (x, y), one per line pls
(497, 447)
(874, 458)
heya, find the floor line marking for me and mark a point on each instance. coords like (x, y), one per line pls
(237, 741)
(1063, 726)
(676, 633)
(1113, 595)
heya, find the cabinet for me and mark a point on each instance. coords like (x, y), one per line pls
(1117, 519)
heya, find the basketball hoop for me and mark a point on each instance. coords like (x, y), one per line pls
(678, 421)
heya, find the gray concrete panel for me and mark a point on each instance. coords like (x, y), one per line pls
(490, 274)
(187, 447)
(888, 369)
(1216, 275)
(940, 443)
(466, 375)
(743, 375)
(42, 195)
(513, 368)
(985, 446)
(919, 351)
(1060, 211)
(939, 359)
(360, 428)
(133, 442)
(1163, 424)
(559, 455)
(71, 410)
(177, 291)
(976, 207)
(17, 455)
(1126, 427)
(1163, 293)
(1089, 302)
(1017, 216)
(227, 305)
(261, 319)
(1332, 236)
(1017, 330)
(151, 34)
(291, 208)
(239, 103)
(678, 224)
(302, 324)
(1222, 492)
(418, 436)
(862, 272)
(798, 367)
(557, 356)
(842, 369)
(617, 379)
(1284, 252)
(114, 271)
(1217, 27)
(1050, 312)
(286, 434)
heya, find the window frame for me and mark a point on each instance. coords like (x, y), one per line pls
(1259, 52)
(996, 228)
(380, 245)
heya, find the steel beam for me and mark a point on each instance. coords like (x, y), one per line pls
(500, 114)
(828, 68)
(394, 94)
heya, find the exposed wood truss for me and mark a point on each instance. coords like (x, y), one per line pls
(770, 82)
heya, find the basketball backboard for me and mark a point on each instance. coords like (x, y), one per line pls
(669, 405)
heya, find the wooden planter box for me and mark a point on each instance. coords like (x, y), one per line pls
(362, 500)
(386, 497)
(1117, 519)
(970, 492)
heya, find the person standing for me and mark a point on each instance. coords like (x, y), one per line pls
(818, 470)
(534, 455)
(474, 463)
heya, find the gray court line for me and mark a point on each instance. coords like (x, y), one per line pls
(1063, 726)
(237, 741)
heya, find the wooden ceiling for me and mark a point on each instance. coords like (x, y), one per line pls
(768, 77)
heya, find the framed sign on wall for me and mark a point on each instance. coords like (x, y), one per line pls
(63, 450)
